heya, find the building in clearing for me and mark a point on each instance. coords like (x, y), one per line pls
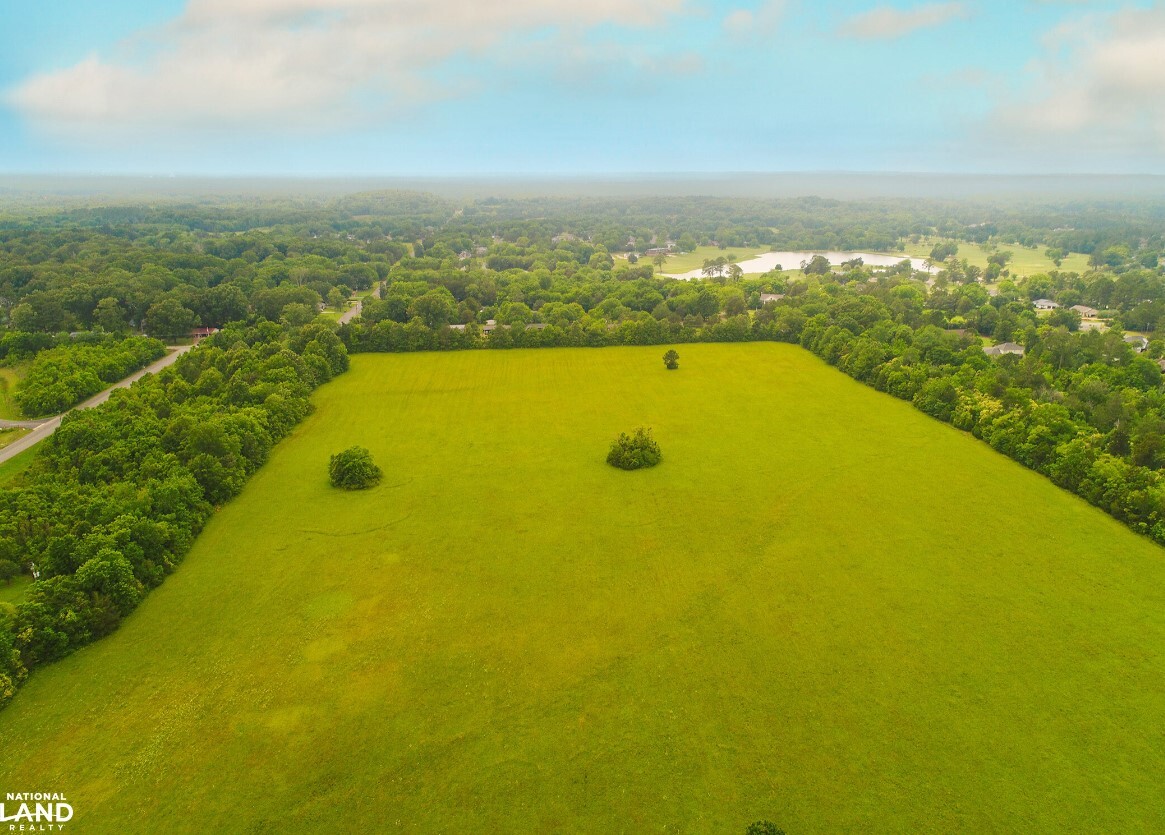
(765, 298)
(1044, 304)
(1004, 348)
(1137, 342)
(199, 334)
(1086, 311)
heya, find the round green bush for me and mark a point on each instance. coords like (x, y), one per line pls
(632, 452)
(764, 828)
(353, 469)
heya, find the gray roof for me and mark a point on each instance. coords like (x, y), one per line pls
(1004, 348)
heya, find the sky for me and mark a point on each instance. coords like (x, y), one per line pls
(580, 87)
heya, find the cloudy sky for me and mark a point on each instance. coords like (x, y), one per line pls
(452, 87)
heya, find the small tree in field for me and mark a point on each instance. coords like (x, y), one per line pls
(353, 469)
(763, 828)
(671, 359)
(8, 570)
(632, 452)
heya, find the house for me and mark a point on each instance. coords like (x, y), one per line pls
(1086, 311)
(198, 334)
(490, 326)
(563, 237)
(657, 250)
(1004, 348)
(457, 327)
(765, 298)
(1044, 304)
(1137, 342)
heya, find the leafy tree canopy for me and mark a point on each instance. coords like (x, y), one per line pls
(354, 469)
(635, 451)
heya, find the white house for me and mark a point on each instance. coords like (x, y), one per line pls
(1044, 304)
(765, 298)
(1004, 348)
(1086, 311)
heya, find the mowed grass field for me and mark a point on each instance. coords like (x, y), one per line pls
(823, 608)
(1024, 261)
(682, 262)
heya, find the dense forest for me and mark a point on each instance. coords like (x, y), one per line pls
(117, 495)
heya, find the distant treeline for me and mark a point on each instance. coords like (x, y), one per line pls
(163, 269)
(118, 494)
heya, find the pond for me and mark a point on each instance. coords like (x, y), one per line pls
(792, 261)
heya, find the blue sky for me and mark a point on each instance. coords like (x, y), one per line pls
(453, 87)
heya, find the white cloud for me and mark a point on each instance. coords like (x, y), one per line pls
(760, 21)
(295, 64)
(888, 22)
(1098, 90)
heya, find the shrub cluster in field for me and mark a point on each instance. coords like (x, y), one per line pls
(62, 377)
(353, 469)
(634, 451)
(119, 492)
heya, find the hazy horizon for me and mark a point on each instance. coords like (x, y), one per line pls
(832, 185)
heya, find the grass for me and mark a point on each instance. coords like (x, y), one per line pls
(14, 592)
(694, 260)
(823, 608)
(8, 435)
(17, 464)
(9, 376)
(1024, 261)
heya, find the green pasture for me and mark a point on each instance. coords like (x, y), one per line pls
(1024, 261)
(694, 260)
(823, 608)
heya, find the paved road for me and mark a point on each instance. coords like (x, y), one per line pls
(352, 312)
(41, 429)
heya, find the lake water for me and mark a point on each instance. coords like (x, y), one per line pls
(792, 261)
